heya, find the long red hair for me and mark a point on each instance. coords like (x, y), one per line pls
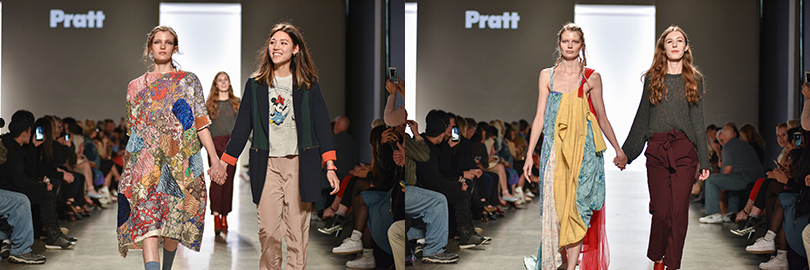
(658, 70)
(213, 98)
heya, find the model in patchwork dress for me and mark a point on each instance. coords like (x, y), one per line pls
(570, 113)
(162, 189)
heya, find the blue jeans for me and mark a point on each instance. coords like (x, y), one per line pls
(727, 182)
(431, 207)
(16, 209)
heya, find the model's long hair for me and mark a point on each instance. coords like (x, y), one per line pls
(147, 57)
(213, 97)
(583, 61)
(301, 65)
(691, 75)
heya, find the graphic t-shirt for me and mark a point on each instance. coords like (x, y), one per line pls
(283, 137)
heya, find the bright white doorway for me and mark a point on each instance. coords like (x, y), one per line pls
(620, 44)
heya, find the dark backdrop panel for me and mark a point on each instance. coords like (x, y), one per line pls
(84, 72)
(489, 74)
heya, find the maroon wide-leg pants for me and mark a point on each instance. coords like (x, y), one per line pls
(671, 168)
(222, 195)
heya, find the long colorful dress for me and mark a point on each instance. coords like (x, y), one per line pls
(573, 174)
(162, 190)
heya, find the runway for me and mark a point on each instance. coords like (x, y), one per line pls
(238, 249)
(708, 246)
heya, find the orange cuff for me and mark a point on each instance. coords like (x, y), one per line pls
(228, 159)
(329, 155)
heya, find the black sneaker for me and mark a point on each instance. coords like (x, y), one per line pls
(69, 238)
(27, 258)
(444, 257)
(418, 249)
(474, 241)
(5, 249)
(59, 243)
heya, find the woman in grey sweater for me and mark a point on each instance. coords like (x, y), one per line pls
(670, 119)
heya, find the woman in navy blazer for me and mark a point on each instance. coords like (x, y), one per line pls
(285, 168)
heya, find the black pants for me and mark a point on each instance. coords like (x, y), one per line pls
(46, 202)
(458, 202)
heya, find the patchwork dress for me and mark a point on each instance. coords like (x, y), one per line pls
(162, 188)
(573, 174)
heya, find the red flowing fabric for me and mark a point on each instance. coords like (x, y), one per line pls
(595, 252)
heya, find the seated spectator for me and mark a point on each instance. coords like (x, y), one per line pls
(15, 209)
(741, 167)
(15, 176)
(749, 134)
(429, 176)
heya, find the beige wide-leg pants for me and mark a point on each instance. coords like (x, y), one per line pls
(281, 213)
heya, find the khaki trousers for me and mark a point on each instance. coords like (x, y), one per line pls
(281, 213)
(396, 237)
(806, 240)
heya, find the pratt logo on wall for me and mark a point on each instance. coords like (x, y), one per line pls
(93, 19)
(505, 21)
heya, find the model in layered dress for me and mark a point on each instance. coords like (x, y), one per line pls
(162, 189)
(570, 113)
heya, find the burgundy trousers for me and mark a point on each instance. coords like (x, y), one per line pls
(671, 167)
(222, 195)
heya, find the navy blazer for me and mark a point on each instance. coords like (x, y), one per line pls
(315, 142)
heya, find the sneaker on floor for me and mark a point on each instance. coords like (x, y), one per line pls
(362, 262)
(5, 248)
(444, 257)
(712, 219)
(28, 258)
(474, 241)
(727, 218)
(59, 243)
(774, 264)
(529, 194)
(348, 246)
(418, 249)
(762, 246)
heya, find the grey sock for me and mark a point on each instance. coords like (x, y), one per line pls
(153, 265)
(168, 259)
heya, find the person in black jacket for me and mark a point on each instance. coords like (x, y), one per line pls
(18, 174)
(282, 105)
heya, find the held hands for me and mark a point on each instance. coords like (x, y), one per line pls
(703, 175)
(780, 175)
(620, 160)
(218, 172)
(399, 155)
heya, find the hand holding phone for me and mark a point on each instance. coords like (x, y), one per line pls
(39, 136)
(392, 74)
(455, 135)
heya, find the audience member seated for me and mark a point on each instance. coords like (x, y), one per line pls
(429, 176)
(15, 210)
(749, 134)
(15, 175)
(741, 167)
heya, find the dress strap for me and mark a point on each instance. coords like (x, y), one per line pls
(551, 78)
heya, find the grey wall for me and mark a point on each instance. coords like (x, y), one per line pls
(83, 73)
(488, 74)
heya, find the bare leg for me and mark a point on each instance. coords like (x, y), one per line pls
(150, 249)
(573, 254)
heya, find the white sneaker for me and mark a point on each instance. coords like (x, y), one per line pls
(774, 264)
(762, 246)
(712, 219)
(362, 262)
(519, 195)
(727, 219)
(529, 194)
(348, 246)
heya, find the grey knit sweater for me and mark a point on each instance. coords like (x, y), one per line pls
(672, 112)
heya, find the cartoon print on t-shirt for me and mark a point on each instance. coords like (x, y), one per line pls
(277, 115)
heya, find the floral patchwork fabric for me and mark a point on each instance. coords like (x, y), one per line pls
(162, 189)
